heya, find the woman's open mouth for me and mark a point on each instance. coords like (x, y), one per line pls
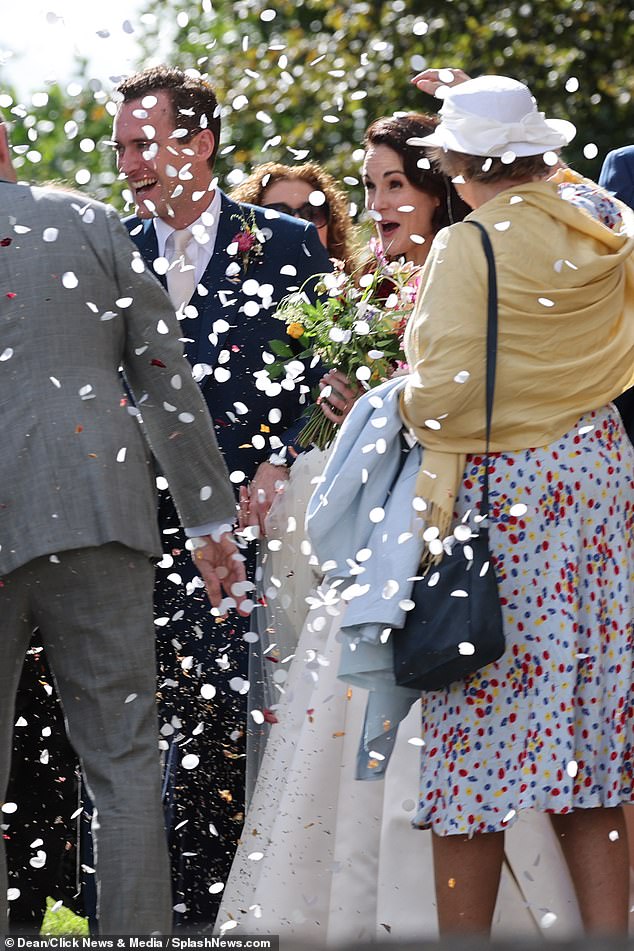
(388, 228)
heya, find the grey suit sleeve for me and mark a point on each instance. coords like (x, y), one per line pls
(174, 414)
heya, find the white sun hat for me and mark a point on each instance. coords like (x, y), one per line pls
(493, 115)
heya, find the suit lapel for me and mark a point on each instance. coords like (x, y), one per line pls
(225, 296)
(144, 236)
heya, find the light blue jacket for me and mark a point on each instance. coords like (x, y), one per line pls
(368, 538)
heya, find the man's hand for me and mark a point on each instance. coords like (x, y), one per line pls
(431, 80)
(337, 396)
(221, 567)
(255, 502)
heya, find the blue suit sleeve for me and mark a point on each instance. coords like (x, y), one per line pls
(617, 174)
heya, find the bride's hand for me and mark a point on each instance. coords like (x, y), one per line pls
(256, 501)
(430, 80)
(337, 396)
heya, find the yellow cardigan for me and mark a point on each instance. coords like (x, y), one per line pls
(565, 341)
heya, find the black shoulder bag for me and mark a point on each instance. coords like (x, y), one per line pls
(455, 627)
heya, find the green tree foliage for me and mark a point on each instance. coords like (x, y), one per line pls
(61, 134)
(302, 79)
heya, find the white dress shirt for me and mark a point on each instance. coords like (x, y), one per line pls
(204, 233)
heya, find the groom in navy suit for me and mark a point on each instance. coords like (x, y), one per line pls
(226, 267)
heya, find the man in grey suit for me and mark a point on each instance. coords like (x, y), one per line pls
(78, 522)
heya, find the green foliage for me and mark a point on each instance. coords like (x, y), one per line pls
(61, 135)
(302, 79)
(306, 82)
(62, 921)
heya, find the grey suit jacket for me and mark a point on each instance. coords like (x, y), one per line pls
(76, 304)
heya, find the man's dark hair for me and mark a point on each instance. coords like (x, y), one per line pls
(193, 99)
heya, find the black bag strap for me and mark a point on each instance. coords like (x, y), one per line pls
(492, 348)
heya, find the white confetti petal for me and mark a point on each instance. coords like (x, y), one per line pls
(69, 280)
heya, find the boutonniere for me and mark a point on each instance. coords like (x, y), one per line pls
(247, 245)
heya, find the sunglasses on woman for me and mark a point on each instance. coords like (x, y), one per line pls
(318, 215)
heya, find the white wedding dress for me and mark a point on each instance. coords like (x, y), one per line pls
(324, 856)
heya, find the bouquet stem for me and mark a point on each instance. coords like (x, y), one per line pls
(318, 431)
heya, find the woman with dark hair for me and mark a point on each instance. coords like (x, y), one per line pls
(409, 200)
(305, 191)
(331, 845)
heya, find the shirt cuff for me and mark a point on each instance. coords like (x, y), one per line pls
(209, 528)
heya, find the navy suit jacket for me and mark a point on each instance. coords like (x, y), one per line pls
(617, 177)
(617, 174)
(249, 424)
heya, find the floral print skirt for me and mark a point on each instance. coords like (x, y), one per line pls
(550, 726)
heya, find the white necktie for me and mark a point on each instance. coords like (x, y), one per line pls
(181, 277)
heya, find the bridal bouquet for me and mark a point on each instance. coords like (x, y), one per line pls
(356, 325)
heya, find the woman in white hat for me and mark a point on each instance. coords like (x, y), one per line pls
(550, 725)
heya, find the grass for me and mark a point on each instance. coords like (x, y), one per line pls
(62, 921)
